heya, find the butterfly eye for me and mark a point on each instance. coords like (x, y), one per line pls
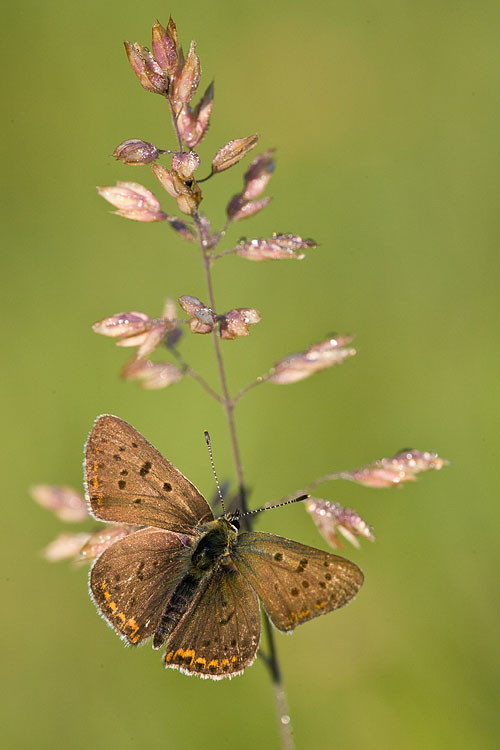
(235, 523)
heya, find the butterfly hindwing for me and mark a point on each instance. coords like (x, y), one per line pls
(128, 480)
(219, 635)
(132, 580)
(295, 582)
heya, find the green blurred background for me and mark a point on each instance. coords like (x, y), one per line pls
(385, 115)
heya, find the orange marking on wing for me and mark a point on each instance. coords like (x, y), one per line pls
(320, 605)
(121, 616)
(134, 628)
(168, 657)
(200, 660)
(225, 663)
(185, 654)
(233, 659)
(213, 663)
(304, 613)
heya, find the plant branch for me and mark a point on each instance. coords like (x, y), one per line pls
(233, 251)
(305, 490)
(204, 179)
(258, 381)
(195, 375)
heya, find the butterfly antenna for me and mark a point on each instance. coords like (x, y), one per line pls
(278, 505)
(209, 446)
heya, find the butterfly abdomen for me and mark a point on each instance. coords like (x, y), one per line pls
(178, 605)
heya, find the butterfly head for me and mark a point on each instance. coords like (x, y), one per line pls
(234, 520)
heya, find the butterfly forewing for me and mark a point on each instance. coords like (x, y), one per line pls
(128, 480)
(294, 582)
(134, 578)
(219, 635)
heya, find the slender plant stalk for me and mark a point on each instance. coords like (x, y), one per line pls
(261, 379)
(311, 486)
(271, 658)
(195, 375)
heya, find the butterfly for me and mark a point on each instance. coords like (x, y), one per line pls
(188, 580)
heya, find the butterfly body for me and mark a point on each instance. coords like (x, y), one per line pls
(211, 547)
(187, 579)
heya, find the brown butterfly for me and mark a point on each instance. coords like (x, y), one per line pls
(188, 580)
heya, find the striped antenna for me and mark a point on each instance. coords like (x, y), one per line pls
(209, 446)
(279, 505)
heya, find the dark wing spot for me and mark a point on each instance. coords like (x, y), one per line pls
(145, 468)
(304, 562)
(167, 486)
(138, 501)
(322, 585)
(117, 576)
(134, 445)
(132, 601)
(117, 457)
(121, 448)
(233, 642)
(278, 556)
(328, 576)
(294, 592)
(122, 484)
(305, 584)
(124, 472)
